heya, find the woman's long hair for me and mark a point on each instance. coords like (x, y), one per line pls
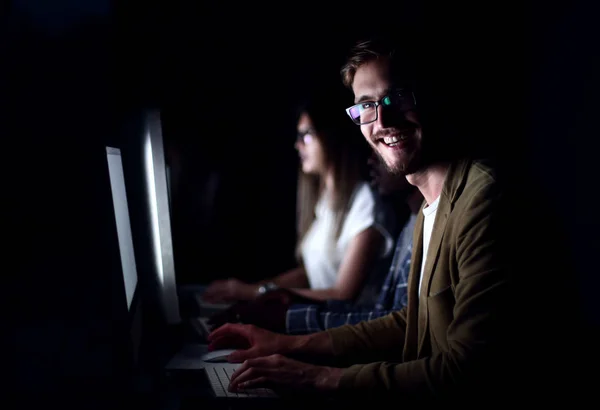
(345, 154)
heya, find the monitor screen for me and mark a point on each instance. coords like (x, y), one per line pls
(126, 294)
(119, 197)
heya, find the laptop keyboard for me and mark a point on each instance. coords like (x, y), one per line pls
(219, 376)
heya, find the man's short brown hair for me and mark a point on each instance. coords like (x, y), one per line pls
(373, 49)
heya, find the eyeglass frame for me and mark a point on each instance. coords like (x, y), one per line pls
(377, 104)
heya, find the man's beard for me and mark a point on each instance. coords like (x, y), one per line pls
(412, 158)
(410, 165)
(393, 170)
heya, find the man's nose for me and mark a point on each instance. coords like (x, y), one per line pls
(388, 117)
(384, 117)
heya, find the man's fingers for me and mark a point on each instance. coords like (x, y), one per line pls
(255, 361)
(255, 383)
(259, 382)
(229, 342)
(240, 370)
(248, 376)
(231, 331)
(242, 355)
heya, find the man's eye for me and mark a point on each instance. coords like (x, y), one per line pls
(367, 105)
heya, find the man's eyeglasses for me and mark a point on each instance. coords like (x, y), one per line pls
(366, 112)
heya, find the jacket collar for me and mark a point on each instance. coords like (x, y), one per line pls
(455, 181)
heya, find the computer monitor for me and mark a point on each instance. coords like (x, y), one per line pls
(159, 217)
(153, 289)
(126, 290)
(123, 225)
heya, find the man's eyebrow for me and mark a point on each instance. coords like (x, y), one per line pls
(366, 97)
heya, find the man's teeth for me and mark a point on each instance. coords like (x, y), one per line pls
(392, 141)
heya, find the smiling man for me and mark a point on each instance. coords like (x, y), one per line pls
(464, 328)
(396, 135)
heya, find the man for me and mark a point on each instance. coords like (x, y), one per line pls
(276, 312)
(470, 327)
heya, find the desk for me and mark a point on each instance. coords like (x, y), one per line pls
(175, 400)
(182, 385)
(185, 390)
(182, 389)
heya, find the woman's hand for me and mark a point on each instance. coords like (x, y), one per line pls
(268, 311)
(229, 290)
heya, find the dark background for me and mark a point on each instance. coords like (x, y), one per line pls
(520, 77)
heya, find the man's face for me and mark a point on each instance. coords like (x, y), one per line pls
(396, 134)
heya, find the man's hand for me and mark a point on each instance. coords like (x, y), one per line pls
(251, 340)
(278, 373)
(229, 290)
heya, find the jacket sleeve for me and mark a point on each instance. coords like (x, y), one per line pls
(475, 332)
(371, 340)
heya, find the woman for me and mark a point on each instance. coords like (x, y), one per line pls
(342, 231)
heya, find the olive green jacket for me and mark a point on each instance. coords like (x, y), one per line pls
(452, 331)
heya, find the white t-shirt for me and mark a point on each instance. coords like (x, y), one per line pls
(321, 254)
(429, 213)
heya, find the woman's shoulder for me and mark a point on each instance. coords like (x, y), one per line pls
(364, 188)
(364, 192)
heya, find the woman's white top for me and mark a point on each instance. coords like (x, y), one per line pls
(321, 253)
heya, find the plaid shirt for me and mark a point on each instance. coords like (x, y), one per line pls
(303, 319)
